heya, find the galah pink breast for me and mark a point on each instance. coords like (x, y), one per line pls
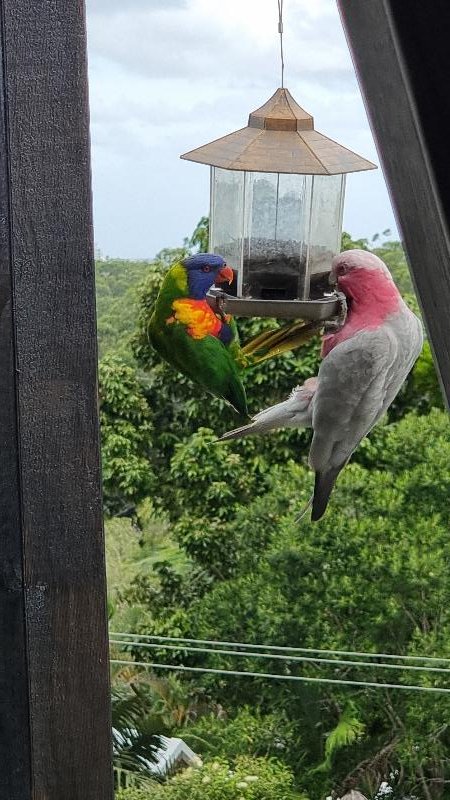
(364, 365)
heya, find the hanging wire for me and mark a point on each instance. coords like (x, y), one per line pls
(274, 676)
(280, 31)
(279, 648)
(274, 656)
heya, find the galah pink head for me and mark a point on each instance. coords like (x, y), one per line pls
(370, 291)
(351, 260)
(363, 277)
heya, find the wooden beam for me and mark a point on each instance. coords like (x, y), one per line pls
(402, 57)
(15, 770)
(55, 727)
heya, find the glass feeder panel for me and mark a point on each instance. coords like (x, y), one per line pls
(277, 212)
(326, 228)
(226, 223)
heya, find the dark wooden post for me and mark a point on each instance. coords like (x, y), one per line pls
(402, 56)
(55, 734)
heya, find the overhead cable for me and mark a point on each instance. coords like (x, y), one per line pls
(218, 643)
(275, 676)
(276, 656)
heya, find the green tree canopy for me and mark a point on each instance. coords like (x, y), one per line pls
(371, 576)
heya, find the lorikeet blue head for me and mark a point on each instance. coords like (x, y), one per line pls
(203, 270)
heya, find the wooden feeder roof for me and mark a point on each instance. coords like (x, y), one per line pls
(280, 137)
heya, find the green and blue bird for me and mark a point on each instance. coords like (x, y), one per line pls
(188, 334)
(202, 342)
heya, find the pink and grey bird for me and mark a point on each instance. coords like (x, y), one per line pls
(364, 366)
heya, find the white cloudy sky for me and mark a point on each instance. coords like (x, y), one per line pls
(169, 75)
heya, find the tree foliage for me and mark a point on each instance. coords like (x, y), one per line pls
(249, 732)
(126, 425)
(249, 778)
(371, 576)
(117, 289)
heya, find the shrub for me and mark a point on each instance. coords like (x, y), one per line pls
(246, 779)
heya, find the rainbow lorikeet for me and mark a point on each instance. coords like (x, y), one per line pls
(203, 343)
(188, 334)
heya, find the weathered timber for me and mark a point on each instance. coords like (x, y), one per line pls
(402, 57)
(55, 729)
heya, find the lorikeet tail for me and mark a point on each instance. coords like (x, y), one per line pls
(235, 395)
(274, 342)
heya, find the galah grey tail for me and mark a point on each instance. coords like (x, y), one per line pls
(295, 412)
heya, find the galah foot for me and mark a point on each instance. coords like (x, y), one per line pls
(334, 325)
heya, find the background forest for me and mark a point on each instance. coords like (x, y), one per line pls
(203, 543)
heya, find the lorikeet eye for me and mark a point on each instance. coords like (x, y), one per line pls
(206, 268)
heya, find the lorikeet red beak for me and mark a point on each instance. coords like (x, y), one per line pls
(226, 274)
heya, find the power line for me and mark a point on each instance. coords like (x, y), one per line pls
(302, 659)
(217, 643)
(274, 676)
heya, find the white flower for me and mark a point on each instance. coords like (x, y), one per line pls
(251, 778)
(384, 790)
(215, 765)
(206, 779)
(242, 785)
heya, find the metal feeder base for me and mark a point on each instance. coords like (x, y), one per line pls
(314, 310)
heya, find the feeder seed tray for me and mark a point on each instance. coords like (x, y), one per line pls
(314, 310)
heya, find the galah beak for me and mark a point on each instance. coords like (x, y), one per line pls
(332, 279)
(226, 274)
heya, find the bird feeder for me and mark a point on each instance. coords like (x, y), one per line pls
(277, 198)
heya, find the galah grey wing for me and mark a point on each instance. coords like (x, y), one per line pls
(409, 334)
(295, 412)
(358, 381)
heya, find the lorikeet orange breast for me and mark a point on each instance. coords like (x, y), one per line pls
(188, 334)
(198, 317)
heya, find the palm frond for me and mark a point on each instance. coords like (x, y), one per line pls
(137, 730)
(348, 730)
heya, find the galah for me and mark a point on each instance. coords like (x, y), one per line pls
(364, 365)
